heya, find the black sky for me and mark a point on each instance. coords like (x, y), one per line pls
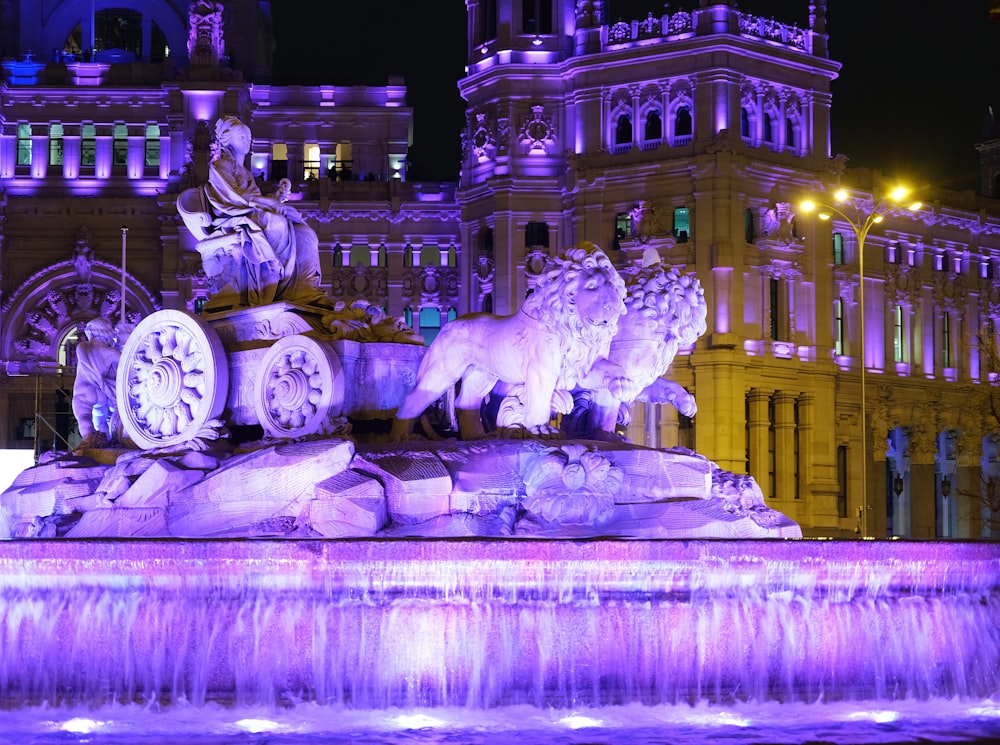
(910, 99)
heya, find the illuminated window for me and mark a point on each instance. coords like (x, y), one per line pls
(199, 305)
(898, 348)
(838, 326)
(946, 340)
(55, 145)
(430, 324)
(24, 144)
(119, 145)
(623, 228)
(66, 351)
(279, 161)
(838, 249)
(152, 148)
(310, 166)
(682, 224)
(986, 269)
(88, 145)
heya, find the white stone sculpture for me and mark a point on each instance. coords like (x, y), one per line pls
(666, 310)
(94, 403)
(552, 342)
(253, 245)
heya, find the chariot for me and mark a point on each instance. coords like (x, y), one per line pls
(280, 365)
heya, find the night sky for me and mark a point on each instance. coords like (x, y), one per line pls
(910, 99)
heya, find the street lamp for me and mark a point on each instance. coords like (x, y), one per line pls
(862, 212)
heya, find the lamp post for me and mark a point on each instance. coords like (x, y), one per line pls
(862, 212)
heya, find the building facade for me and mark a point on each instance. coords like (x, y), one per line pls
(856, 386)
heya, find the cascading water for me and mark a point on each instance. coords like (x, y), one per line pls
(374, 625)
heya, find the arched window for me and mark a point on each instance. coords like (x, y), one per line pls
(66, 351)
(654, 126)
(623, 131)
(338, 255)
(682, 122)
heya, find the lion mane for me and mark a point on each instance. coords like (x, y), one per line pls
(553, 304)
(666, 310)
(562, 328)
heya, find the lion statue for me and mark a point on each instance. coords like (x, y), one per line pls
(666, 309)
(551, 343)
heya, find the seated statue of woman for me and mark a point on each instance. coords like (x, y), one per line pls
(280, 251)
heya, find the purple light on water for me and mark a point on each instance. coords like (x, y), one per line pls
(422, 634)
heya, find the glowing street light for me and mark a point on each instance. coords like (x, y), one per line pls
(862, 212)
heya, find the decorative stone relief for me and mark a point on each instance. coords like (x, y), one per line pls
(205, 37)
(571, 485)
(484, 143)
(538, 134)
(949, 292)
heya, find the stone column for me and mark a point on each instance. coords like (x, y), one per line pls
(135, 160)
(807, 424)
(923, 448)
(669, 427)
(784, 443)
(759, 425)
(295, 150)
(102, 149)
(71, 151)
(967, 489)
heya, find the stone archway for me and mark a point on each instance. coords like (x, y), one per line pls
(62, 296)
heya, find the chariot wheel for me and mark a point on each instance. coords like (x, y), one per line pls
(300, 385)
(173, 379)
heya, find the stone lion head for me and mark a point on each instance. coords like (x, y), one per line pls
(666, 310)
(580, 296)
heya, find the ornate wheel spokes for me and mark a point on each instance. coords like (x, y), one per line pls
(173, 379)
(300, 387)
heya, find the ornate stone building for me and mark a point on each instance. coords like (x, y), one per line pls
(693, 136)
(697, 135)
(99, 137)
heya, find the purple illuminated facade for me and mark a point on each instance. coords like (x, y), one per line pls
(692, 136)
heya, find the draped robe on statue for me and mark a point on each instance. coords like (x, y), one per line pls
(280, 251)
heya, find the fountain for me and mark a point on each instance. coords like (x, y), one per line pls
(331, 580)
